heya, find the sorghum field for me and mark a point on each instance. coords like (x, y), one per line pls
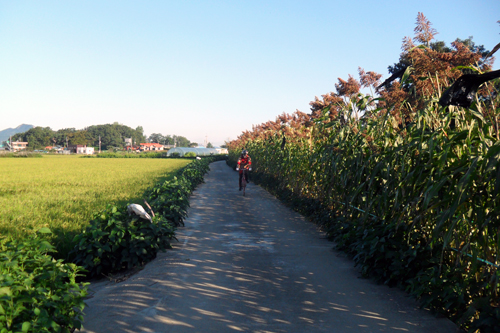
(62, 192)
(405, 180)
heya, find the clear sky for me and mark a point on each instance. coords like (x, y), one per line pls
(203, 68)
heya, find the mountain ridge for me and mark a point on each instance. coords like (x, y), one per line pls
(6, 133)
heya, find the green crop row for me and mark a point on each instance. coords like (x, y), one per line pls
(415, 205)
(116, 240)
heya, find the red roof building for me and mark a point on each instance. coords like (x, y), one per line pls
(151, 146)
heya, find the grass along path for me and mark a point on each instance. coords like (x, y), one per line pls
(62, 192)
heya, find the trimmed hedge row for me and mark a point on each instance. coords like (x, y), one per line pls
(115, 240)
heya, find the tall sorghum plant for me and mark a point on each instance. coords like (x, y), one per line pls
(416, 204)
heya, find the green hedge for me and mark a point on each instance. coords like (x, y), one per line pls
(40, 294)
(37, 292)
(115, 240)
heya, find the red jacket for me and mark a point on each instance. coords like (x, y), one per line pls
(244, 163)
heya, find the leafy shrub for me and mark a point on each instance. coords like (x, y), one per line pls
(175, 155)
(115, 240)
(171, 199)
(37, 292)
(190, 154)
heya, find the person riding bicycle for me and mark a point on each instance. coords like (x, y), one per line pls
(244, 163)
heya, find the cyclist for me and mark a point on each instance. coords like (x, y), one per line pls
(244, 165)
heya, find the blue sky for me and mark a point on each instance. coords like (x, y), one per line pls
(203, 68)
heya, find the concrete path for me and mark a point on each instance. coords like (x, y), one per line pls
(249, 264)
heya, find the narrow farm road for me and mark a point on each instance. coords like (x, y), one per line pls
(249, 264)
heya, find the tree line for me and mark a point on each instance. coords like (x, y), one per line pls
(112, 136)
(177, 140)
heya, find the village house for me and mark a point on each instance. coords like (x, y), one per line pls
(56, 149)
(81, 149)
(221, 150)
(18, 146)
(133, 148)
(151, 146)
(85, 150)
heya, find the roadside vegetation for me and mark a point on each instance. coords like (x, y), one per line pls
(403, 180)
(116, 240)
(63, 192)
(41, 294)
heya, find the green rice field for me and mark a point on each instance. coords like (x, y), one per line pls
(63, 192)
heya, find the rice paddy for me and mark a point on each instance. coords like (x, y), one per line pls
(63, 192)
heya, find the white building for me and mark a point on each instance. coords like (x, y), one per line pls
(85, 150)
(222, 150)
(18, 145)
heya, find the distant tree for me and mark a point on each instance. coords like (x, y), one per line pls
(181, 141)
(62, 136)
(37, 137)
(114, 135)
(178, 140)
(440, 46)
(79, 138)
(168, 140)
(424, 34)
(156, 138)
(210, 145)
(484, 63)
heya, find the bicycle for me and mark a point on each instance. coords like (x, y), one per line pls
(244, 180)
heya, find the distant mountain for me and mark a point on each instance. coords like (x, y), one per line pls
(6, 133)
